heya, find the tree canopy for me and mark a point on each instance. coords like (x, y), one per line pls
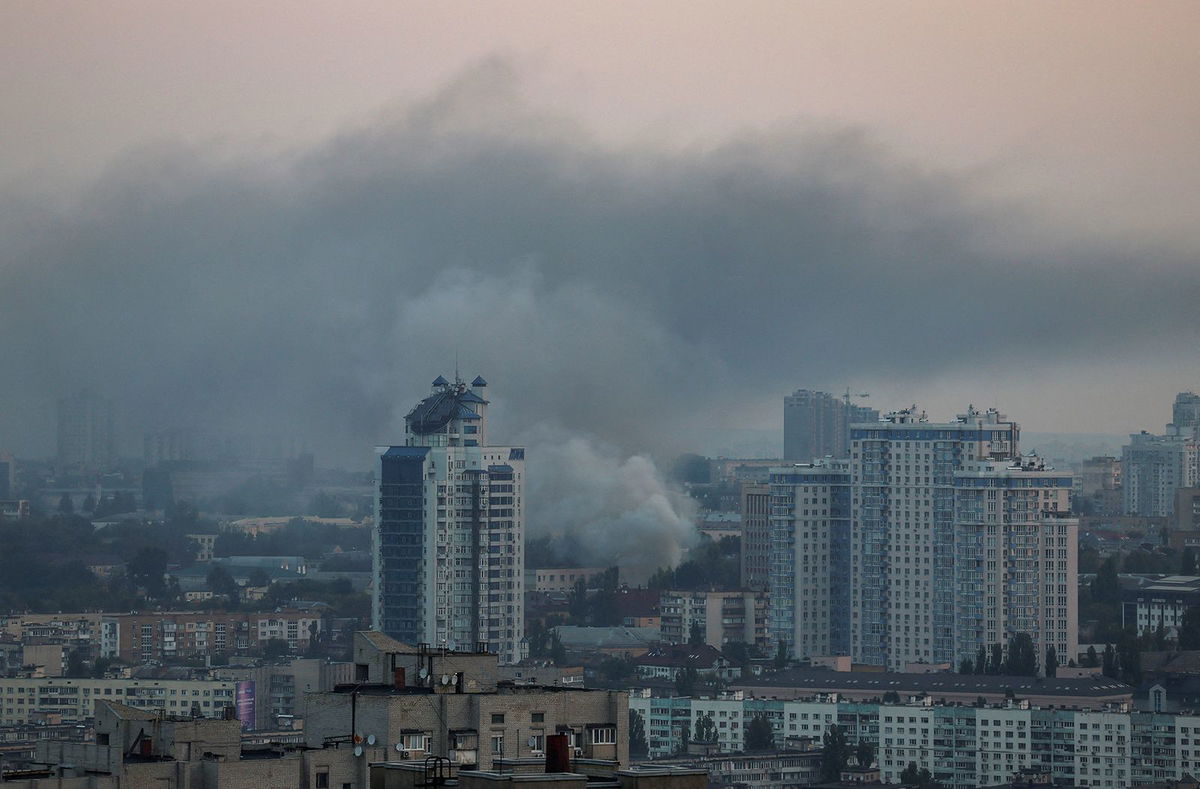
(760, 736)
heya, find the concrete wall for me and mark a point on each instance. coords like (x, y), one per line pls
(50, 657)
(58, 782)
(390, 716)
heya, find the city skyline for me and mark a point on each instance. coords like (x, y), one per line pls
(760, 285)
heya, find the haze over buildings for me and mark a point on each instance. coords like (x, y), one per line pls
(283, 229)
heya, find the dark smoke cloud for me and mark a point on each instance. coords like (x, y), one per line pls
(629, 294)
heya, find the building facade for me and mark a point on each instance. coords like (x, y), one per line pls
(756, 536)
(1185, 521)
(141, 638)
(963, 746)
(810, 557)
(956, 541)
(431, 702)
(1015, 558)
(1160, 604)
(1154, 467)
(450, 529)
(280, 689)
(902, 530)
(559, 579)
(23, 700)
(816, 424)
(720, 617)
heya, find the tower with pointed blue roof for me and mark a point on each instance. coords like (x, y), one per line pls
(450, 528)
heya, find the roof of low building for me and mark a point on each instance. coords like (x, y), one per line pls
(125, 712)
(576, 637)
(681, 655)
(384, 642)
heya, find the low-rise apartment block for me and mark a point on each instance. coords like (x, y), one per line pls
(719, 616)
(139, 638)
(963, 746)
(77, 631)
(23, 700)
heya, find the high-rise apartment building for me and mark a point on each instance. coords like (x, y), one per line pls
(450, 529)
(85, 432)
(1015, 563)
(903, 530)
(810, 557)
(956, 541)
(816, 424)
(1154, 467)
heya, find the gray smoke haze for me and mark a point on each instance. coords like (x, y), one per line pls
(630, 298)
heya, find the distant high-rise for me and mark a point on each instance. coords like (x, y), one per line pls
(1186, 410)
(1099, 485)
(85, 432)
(817, 424)
(1154, 467)
(8, 476)
(450, 529)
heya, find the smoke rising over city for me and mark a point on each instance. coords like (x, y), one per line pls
(630, 296)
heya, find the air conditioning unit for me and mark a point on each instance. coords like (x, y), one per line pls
(578, 751)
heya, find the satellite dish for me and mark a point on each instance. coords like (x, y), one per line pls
(358, 750)
(399, 746)
(423, 673)
(532, 741)
(445, 679)
(370, 739)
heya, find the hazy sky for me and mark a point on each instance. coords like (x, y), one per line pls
(639, 220)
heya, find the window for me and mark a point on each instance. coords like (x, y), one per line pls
(497, 743)
(604, 735)
(537, 743)
(497, 718)
(322, 779)
(538, 717)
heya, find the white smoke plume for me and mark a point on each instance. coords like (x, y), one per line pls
(609, 508)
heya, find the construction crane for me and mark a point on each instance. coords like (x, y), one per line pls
(846, 397)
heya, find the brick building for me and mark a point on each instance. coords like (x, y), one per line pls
(162, 635)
